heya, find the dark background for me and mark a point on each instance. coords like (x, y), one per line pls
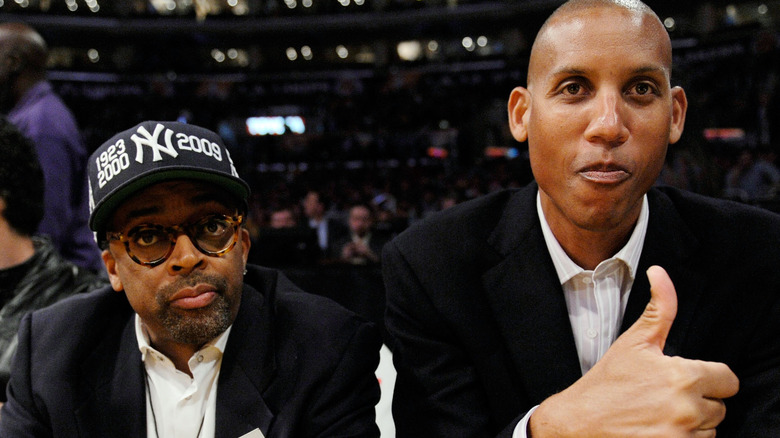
(378, 126)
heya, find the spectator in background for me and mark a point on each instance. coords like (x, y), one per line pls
(283, 217)
(450, 199)
(282, 243)
(328, 230)
(31, 104)
(363, 246)
(32, 273)
(753, 177)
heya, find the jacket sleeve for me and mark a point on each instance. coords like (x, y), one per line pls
(755, 410)
(345, 404)
(20, 416)
(437, 390)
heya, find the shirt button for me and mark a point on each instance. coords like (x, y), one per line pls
(586, 280)
(200, 358)
(591, 333)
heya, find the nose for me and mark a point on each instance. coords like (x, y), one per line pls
(185, 257)
(607, 123)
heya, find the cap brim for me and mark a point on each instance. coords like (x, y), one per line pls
(111, 201)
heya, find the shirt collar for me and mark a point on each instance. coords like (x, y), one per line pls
(629, 254)
(145, 346)
(32, 94)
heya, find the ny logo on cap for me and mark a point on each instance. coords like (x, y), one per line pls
(152, 140)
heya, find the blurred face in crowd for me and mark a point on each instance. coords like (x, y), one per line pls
(312, 206)
(22, 53)
(191, 297)
(282, 219)
(360, 220)
(598, 114)
(9, 63)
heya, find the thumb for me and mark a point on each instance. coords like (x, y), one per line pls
(654, 324)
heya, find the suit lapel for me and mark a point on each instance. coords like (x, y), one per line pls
(528, 303)
(670, 244)
(114, 400)
(114, 393)
(248, 366)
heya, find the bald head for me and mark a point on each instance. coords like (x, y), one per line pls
(577, 5)
(25, 43)
(577, 12)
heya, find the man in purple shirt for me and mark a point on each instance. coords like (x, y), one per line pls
(31, 104)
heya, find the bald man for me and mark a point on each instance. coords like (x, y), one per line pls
(589, 303)
(31, 105)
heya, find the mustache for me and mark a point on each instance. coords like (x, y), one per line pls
(220, 284)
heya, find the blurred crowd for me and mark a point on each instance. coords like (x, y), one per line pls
(409, 140)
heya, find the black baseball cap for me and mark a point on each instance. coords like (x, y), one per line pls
(152, 152)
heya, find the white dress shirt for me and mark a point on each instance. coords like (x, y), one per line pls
(596, 300)
(177, 405)
(322, 232)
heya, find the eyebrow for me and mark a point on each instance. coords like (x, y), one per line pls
(580, 72)
(650, 69)
(568, 71)
(141, 212)
(200, 199)
(209, 197)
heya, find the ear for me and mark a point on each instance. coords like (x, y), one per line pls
(246, 243)
(15, 63)
(679, 108)
(519, 108)
(113, 275)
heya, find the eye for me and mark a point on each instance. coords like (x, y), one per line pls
(213, 226)
(572, 89)
(145, 236)
(642, 89)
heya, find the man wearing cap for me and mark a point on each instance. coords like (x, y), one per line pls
(198, 344)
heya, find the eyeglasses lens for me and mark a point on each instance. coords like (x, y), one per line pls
(211, 235)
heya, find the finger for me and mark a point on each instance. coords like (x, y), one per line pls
(716, 380)
(654, 324)
(707, 433)
(713, 411)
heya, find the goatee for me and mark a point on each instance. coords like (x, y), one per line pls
(197, 326)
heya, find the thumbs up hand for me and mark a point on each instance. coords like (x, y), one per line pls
(636, 391)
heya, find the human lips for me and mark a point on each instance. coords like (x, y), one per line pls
(194, 297)
(604, 173)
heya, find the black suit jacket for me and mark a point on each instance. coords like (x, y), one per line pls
(295, 365)
(479, 328)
